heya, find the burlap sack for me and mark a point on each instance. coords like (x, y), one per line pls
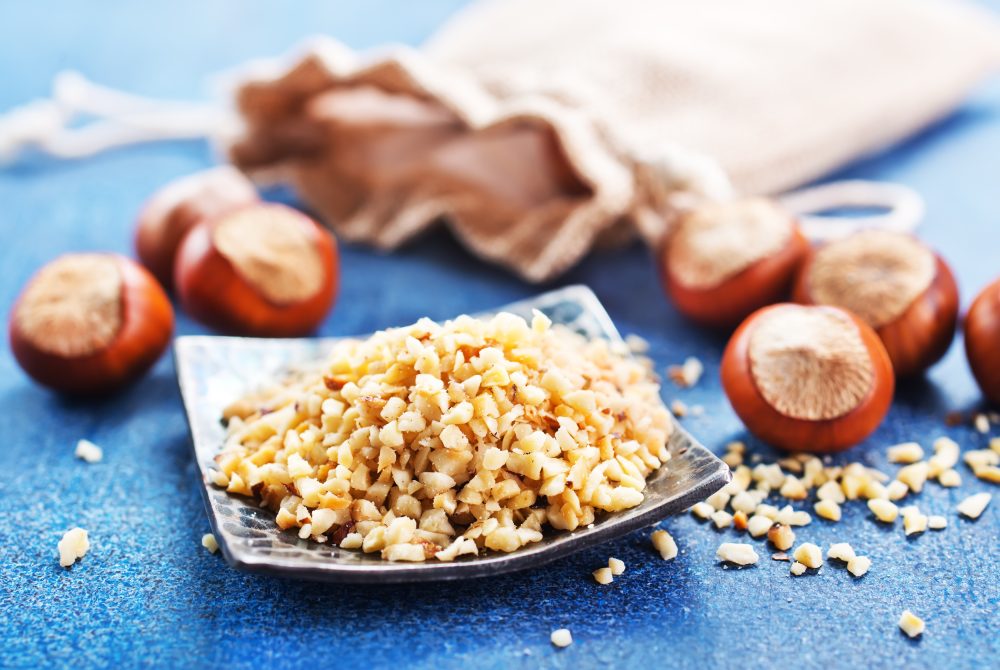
(536, 128)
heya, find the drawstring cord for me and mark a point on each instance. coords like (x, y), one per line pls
(121, 119)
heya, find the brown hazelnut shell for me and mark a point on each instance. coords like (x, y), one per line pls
(213, 292)
(147, 325)
(168, 215)
(982, 341)
(725, 305)
(920, 336)
(792, 434)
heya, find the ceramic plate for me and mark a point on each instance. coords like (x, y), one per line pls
(213, 371)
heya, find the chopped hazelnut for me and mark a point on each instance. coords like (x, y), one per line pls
(73, 545)
(950, 478)
(793, 489)
(911, 624)
(914, 476)
(897, 490)
(809, 555)
(995, 444)
(561, 638)
(914, 521)
(907, 452)
(740, 554)
(840, 551)
(743, 502)
(982, 423)
(988, 473)
(831, 491)
(88, 451)
(688, 374)
(616, 566)
(719, 499)
(883, 510)
(781, 536)
(665, 544)
(978, 458)
(974, 505)
(722, 519)
(828, 509)
(209, 542)
(702, 510)
(758, 525)
(859, 565)
(791, 517)
(798, 569)
(740, 521)
(603, 576)
(936, 522)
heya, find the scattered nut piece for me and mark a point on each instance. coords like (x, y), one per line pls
(616, 566)
(740, 521)
(974, 505)
(914, 476)
(740, 554)
(995, 444)
(859, 565)
(988, 473)
(809, 555)
(883, 510)
(73, 546)
(209, 542)
(936, 522)
(950, 478)
(828, 509)
(719, 499)
(831, 491)
(781, 536)
(743, 502)
(88, 451)
(758, 525)
(982, 423)
(561, 637)
(779, 556)
(946, 454)
(798, 568)
(679, 408)
(793, 489)
(907, 452)
(665, 544)
(722, 519)
(913, 520)
(978, 458)
(911, 624)
(897, 490)
(840, 551)
(791, 517)
(603, 576)
(874, 489)
(636, 343)
(702, 510)
(688, 374)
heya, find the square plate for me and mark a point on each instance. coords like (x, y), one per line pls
(214, 371)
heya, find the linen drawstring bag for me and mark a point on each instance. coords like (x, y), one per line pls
(535, 130)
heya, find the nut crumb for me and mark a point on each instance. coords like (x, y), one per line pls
(73, 546)
(798, 569)
(907, 452)
(209, 542)
(561, 637)
(911, 624)
(616, 566)
(779, 556)
(974, 505)
(739, 554)
(840, 551)
(859, 565)
(665, 544)
(687, 374)
(828, 510)
(936, 522)
(982, 423)
(603, 576)
(781, 536)
(809, 555)
(884, 511)
(88, 451)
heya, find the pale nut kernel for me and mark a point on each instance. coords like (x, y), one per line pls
(793, 489)
(914, 522)
(859, 565)
(911, 624)
(616, 566)
(722, 519)
(665, 544)
(758, 525)
(841, 551)
(781, 536)
(914, 476)
(209, 542)
(73, 546)
(797, 569)
(831, 491)
(883, 510)
(988, 473)
(703, 511)
(88, 451)
(973, 506)
(897, 490)
(740, 521)
(739, 554)
(809, 555)
(937, 522)
(603, 576)
(907, 452)
(743, 502)
(561, 637)
(828, 510)
(950, 478)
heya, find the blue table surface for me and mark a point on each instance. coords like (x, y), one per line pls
(148, 593)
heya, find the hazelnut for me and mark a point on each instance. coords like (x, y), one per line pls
(807, 378)
(174, 209)
(895, 284)
(265, 270)
(982, 332)
(726, 260)
(90, 323)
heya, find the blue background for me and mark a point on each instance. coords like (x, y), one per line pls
(148, 593)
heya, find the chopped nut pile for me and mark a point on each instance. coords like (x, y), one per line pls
(434, 441)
